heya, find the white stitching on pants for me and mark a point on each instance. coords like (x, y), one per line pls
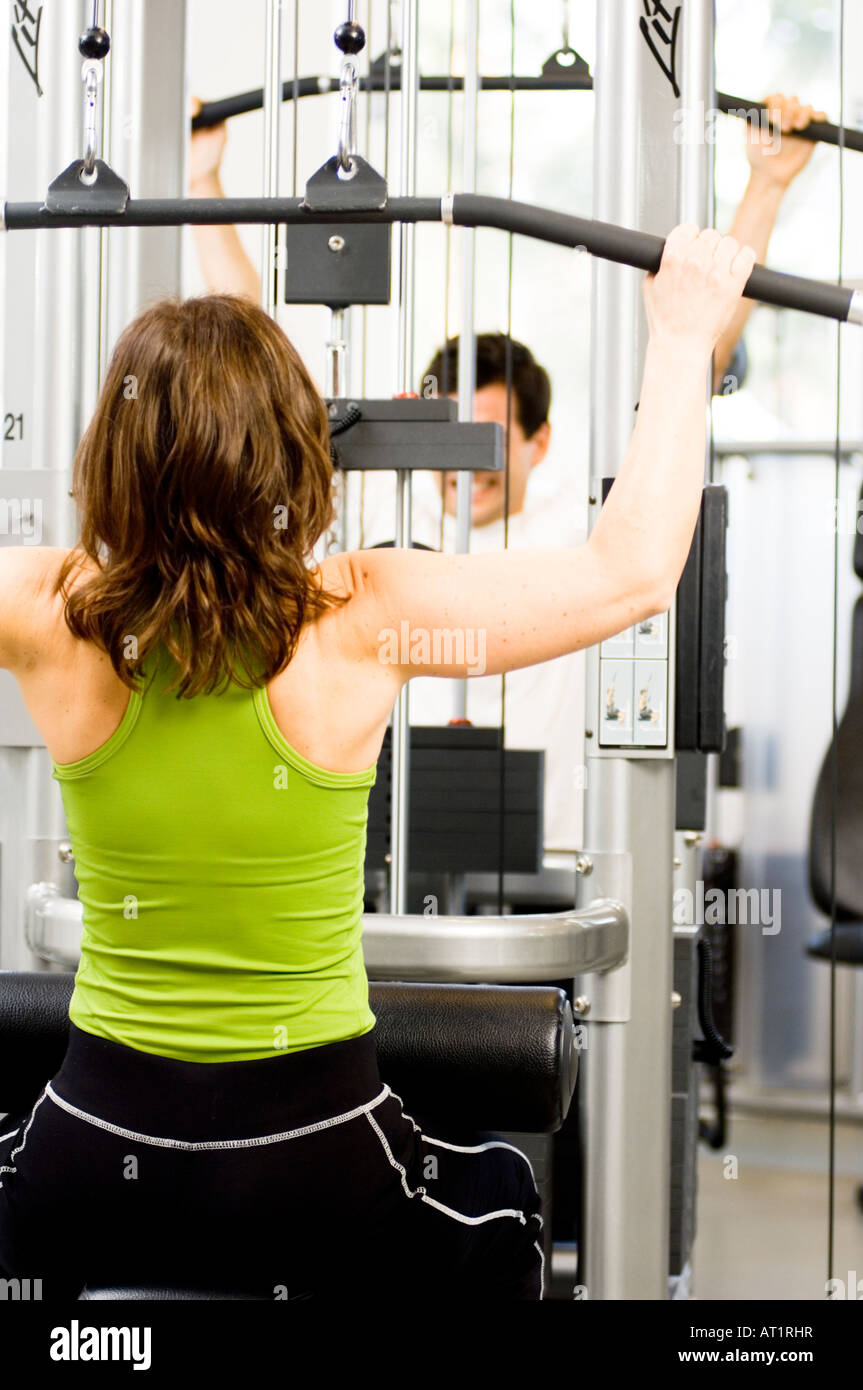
(478, 1148)
(448, 1211)
(541, 1269)
(477, 1220)
(473, 1148)
(216, 1143)
(404, 1112)
(4, 1167)
(393, 1161)
(468, 1148)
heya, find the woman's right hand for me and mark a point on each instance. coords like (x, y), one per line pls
(698, 286)
(207, 148)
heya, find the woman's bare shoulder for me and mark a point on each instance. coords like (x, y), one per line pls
(29, 603)
(335, 574)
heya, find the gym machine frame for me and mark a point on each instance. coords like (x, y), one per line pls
(625, 876)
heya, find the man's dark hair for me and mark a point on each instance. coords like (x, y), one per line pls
(531, 386)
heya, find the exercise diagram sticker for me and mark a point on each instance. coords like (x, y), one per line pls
(650, 698)
(651, 636)
(616, 712)
(659, 25)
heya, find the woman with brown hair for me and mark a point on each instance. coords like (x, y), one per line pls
(214, 705)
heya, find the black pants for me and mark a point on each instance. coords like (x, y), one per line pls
(295, 1176)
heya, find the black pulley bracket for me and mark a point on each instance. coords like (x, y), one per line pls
(105, 195)
(330, 189)
(565, 64)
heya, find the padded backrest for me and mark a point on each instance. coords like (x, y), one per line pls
(489, 1056)
(849, 800)
(34, 1025)
(483, 1056)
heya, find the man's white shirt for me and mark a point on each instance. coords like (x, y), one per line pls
(541, 707)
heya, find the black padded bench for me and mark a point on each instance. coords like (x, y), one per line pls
(489, 1057)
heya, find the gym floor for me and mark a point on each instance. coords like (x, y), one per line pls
(762, 1235)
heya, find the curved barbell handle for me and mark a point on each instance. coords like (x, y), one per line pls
(642, 250)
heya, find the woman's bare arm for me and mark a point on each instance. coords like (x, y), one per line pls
(775, 160)
(224, 264)
(462, 615)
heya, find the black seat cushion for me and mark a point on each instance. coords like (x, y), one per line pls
(849, 944)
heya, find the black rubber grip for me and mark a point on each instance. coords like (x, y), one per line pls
(819, 132)
(642, 250)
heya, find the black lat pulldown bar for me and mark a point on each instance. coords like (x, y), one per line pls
(640, 250)
(215, 112)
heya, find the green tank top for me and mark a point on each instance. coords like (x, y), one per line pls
(221, 876)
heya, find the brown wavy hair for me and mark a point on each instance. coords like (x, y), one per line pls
(203, 481)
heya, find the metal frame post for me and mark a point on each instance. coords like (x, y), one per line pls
(146, 107)
(695, 205)
(400, 797)
(467, 337)
(630, 794)
(272, 130)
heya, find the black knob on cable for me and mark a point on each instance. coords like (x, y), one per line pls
(350, 38)
(94, 43)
